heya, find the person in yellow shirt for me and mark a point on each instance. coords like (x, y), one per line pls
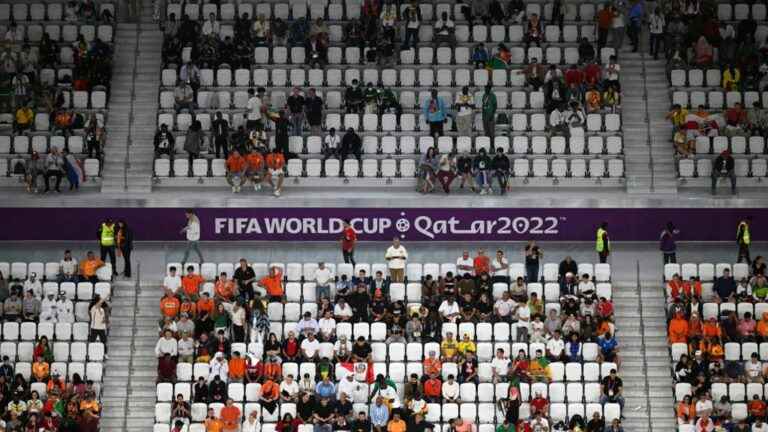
(40, 370)
(23, 120)
(539, 368)
(396, 424)
(449, 348)
(212, 423)
(90, 404)
(677, 116)
(731, 78)
(466, 345)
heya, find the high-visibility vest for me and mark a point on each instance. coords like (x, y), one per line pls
(601, 246)
(745, 237)
(107, 235)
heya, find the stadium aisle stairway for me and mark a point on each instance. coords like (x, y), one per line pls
(129, 377)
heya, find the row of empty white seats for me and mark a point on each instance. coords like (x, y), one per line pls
(703, 168)
(424, 55)
(707, 272)
(33, 33)
(41, 143)
(50, 270)
(51, 11)
(414, 271)
(337, 11)
(520, 144)
(60, 331)
(736, 392)
(717, 99)
(82, 291)
(715, 310)
(740, 11)
(402, 77)
(484, 413)
(736, 144)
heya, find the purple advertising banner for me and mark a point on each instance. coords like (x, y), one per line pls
(375, 224)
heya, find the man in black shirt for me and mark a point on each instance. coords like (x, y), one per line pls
(568, 265)
(351, 143)
(244, 277)
(500, 164)
(361, 350)
(217, 390)
(324, 415)
(723, 166)
(418, 424)
(164, 141)
(220, 128)
(725, 286)
(296, 104)
(314, 112)
(612, 388)
(464, 167)
(481, 165)
(359, 301)
(353, 96)
(361, 423)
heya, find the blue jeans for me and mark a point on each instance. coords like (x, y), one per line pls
(323, 291)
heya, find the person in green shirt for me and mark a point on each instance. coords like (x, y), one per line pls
(371, 95)
(506, 427)
(388, 101)
(760, 288)
(489, 111)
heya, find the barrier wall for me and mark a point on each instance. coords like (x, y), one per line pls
(375, 224)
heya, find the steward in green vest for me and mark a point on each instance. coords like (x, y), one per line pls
(107, 242)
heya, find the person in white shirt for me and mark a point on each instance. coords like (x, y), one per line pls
(556, 347)
(500, 267)
(396, 256)
(254, 109)
(342, 341)
(612, 72)
(503, 307)
(450, 390)
(348, 386)
(309, 347)
(167, 345)
(754, 369)
(252, 423)
(656, 28)
(218, 367)
(211, 28)
(186, 349)
(172, 281)
(68, 268)
(65, 310)
(289, 389)
(500, 366)
(308, 325)
(327, 327)
(586, 286)
(449, 310)
(33, 284)
(444, 31)
(465, 265)
(342, 311)
(48, 309)
(704, 406)
(323, 280)
(758, 426)
(523, 315)
(331, 144)
(192, 230)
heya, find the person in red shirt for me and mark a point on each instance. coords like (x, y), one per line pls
(236, 169)
(574, 76)
(275, 164)
(481, 263)
(592, 74)
(255, 170)
(736, 117)
(433, 389)
(348, 241)
(539, 404)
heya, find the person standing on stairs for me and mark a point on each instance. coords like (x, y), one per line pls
(99, 313)
(602, 244)
(667, 243)
(635, 16)
(743, 239)
(348, 242)
(192, 230)
(125, 245)
(656, 25)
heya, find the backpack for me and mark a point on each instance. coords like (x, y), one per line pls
(502, 118)
(19, 168)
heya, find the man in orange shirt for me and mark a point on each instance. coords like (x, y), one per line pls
(432, 365)
(236, 367)
(190, 284)
(40, 370)
(188, 307)
(275, 164)
(481, 263)
(273, 284)
(88, 268)
(236, 167)
(224, 289)
(170, 305)
(205, 305)
(255, 170)
(711, 328)
(396, 424)
(212, 423)
(762, 328)
(678, 329)
(230, 415)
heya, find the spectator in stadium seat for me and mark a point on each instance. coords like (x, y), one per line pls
(164, 142)
(723, 166)
(435, 113)
(479, 56)
(609, 348)
(23, 119)
(444, 31)
(88, 268)
(612, 389)
(184, 97)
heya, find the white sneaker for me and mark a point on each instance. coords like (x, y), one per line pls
(483, 192)
(257, 187)
(277, 193)
(234, 189)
